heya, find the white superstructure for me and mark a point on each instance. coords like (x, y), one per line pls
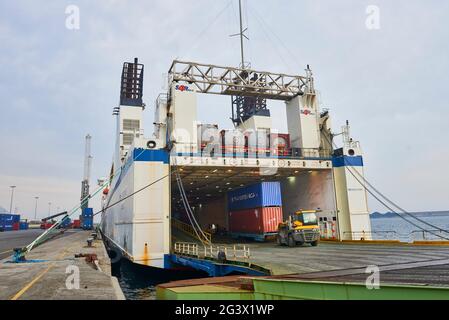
(352, 200)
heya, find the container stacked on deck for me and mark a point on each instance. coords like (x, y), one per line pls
(209, 140)
(233, 143)
(280, 144)
(237, 143)
(258, 142)
(9, 222)
(255, 211)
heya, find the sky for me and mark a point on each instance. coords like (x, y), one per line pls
(57, 83)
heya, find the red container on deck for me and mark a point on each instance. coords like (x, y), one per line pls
(280, 144)
(76, 224)
(255, 221)
(15, 226)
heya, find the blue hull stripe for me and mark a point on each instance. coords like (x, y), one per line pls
(347, 161)
(151, 155)
(143, 155)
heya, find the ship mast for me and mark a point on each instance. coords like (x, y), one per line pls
(242, 35)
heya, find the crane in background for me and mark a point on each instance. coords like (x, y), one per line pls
(86, 177)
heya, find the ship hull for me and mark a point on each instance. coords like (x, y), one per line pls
(136, 216)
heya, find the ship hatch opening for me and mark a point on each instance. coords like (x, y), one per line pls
(207, 189)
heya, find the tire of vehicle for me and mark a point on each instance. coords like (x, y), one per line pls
(279, 240)
(291, 241)
(314, 243)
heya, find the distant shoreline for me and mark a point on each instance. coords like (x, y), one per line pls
(378, 215)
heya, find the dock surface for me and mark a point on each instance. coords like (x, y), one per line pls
(333, 255)
(48, 279)
(331, 271)
(329, 256)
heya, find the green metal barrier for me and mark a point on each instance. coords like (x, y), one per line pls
(273, 289)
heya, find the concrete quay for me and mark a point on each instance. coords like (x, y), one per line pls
(53, 273)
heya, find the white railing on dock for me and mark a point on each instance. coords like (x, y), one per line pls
(232, 253)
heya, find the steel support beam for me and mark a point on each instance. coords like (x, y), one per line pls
(214, 79)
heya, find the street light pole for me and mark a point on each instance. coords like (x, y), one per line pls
(12, 198)
(35, 208)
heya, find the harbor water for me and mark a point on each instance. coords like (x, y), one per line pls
(139, 282)
(396, 228)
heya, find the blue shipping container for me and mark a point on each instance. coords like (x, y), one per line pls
(6, 217)
(88, 212)
(264, 194)
(6, 226)
(66, 223)
(23, 226)
(87, 223)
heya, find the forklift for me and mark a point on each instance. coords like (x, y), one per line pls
(301, 227)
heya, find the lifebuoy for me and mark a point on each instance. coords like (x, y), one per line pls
(151, 144)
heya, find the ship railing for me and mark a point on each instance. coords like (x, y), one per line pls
(370, 235)
(188, 229)
(214, 252)
(234, 252)
(231, 151)
(186, 248)
(426, 235)
(417, 235)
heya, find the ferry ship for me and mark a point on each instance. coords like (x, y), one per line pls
(188, 166)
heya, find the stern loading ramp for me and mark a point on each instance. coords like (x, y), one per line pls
(328, 272)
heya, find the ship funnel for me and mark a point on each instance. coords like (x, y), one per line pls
(131, 89)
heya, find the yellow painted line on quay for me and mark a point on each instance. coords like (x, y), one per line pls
(30, 284)
(37, 278)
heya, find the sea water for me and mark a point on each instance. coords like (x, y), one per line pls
(397, 228)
